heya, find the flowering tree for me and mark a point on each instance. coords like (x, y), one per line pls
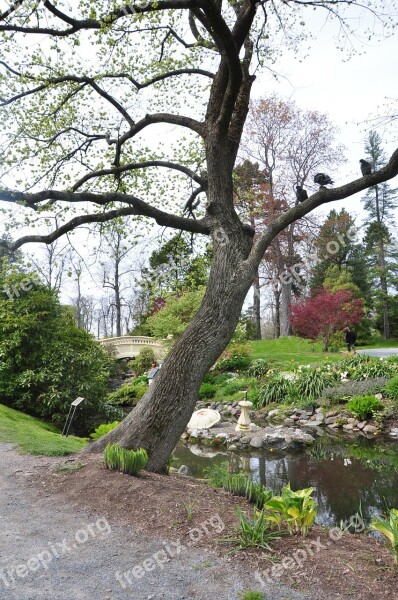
(318, 318)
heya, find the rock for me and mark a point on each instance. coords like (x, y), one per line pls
(219, 407)
(348, 427)
(303, 422)
(185, 436)
(332, 413)
(370, 429)
(330, 420)
(352, 421)
(184, 470)
(394, 431)
(379, 396)
(303, 414)
(362, 424)
(319, 411)
(256, 442)
(232, 447)
(289, 422)
(273, 413)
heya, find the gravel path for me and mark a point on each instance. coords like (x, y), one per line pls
(51, 552)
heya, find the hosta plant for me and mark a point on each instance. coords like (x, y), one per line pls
(388, 526)
(296, 510)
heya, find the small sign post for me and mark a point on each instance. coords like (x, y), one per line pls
(71, 414)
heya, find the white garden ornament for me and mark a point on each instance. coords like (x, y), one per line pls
(204, 419)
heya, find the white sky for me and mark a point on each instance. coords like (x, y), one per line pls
(351, 92)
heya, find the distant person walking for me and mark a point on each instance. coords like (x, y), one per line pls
(350, 339)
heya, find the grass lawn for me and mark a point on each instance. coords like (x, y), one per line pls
(382, 343)
(34, 436)
(290, 352)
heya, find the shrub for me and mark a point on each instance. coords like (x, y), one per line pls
(391, 388)
(207, 390)
(130, 462)
(103, 429)
(46, 360)
(236, 357)
(349, 389)
(363, 406)
(277, 389)
(144, 361)
(389, 528)
(128, 394)
(231, 387)
(258, 368)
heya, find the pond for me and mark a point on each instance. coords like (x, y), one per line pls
(348, 475)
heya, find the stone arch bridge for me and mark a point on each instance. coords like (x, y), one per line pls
(129, 346)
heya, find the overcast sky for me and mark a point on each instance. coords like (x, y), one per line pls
(350, 91)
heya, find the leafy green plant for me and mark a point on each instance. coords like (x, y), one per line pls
(391, 388)
(374, 368)
(207, 390)
(144, 361)
(312, 382)
(126, 461)
(103, 429)
(363, 407)
(236, 484)
(297, 510)
(236, 357)
(252, 533)
(129, 393)
(252, 595)
(277, 389)
(388, 526)
(216, 474)
(258, 368)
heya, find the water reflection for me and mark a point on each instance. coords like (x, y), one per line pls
(347, 475)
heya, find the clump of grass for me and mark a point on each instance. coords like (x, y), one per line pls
(255, 532)
(70, 467)
(130, 462)
(252, 595)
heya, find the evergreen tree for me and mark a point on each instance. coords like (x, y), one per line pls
(379, 202)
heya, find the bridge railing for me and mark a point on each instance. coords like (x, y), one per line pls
(133, 342)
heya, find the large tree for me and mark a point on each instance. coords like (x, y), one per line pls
(75, 128)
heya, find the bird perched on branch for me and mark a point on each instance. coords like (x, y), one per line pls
(366, 167)
(323, 179)
(301, 194)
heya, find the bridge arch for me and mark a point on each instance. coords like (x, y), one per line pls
(129, 346)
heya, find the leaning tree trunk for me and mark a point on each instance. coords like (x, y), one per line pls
(161, 416)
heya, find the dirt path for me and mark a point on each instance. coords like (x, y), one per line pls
(54, 550)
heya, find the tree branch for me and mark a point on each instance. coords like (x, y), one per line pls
(323, 196)
(142, 165)
(136, 207)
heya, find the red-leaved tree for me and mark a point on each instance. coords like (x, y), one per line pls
(319, 317)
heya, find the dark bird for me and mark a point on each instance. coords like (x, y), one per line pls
(323, 179)
(366, 167)
(301, 194)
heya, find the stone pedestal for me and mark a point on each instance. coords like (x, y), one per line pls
(244, 419)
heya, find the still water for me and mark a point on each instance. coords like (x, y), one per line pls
(348, 475)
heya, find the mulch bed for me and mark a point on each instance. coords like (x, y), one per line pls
(173, 507)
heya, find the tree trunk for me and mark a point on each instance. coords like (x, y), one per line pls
(286, 298)
(161, 416)
(257, 307)
(277, 324)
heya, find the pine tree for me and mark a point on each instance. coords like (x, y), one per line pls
(379, 203)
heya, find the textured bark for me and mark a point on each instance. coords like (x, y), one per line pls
(286, 300)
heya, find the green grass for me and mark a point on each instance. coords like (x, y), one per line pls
(381, 343)
(289, 352)
(34, 436)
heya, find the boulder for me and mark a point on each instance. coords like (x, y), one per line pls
(256, 442)
(370, 429)
(330, 420)
(362, 424)
(184, 470)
